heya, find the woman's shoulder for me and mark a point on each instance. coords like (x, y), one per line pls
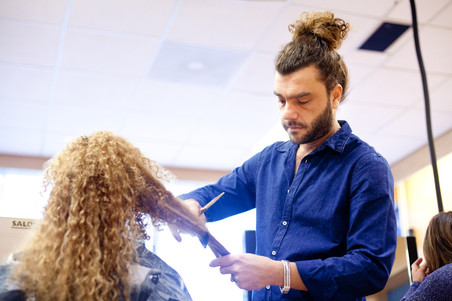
(439, 280)
(444, 271)
(154, 279)
(8, 291)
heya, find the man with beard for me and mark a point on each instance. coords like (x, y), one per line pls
(325, 221)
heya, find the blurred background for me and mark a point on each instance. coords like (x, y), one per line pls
(190, 83)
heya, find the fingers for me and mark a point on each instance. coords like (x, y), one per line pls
(415, 265)
(423, 268)
(193, 206)
(222, 261)
(226, 267)
(419, 272)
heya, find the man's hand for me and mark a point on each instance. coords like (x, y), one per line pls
(419, 272)
(193, 206)
(249, 271)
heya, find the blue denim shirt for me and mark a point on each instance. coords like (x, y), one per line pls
(334, 218)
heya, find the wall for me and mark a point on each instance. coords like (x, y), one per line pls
(13, 232)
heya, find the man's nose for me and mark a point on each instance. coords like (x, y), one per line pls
(289, 112)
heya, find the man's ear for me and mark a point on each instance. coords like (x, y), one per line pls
(335, 96)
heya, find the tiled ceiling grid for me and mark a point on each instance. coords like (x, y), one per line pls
(190, 82)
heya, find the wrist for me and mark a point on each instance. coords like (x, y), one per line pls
(286, 280)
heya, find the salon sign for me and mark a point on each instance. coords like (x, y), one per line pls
(22, 223)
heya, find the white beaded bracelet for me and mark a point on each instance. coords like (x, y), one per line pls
(285, 289)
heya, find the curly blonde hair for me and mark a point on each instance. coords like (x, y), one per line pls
(102, 190)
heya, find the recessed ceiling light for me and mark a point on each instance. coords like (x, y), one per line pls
(196, 65)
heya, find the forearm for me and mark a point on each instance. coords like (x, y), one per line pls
(295, 280)
(252, 272)
(276, 270)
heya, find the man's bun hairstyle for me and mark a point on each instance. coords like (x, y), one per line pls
(315, 38)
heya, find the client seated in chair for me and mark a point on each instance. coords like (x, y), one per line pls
(433, 279)
(89, 243)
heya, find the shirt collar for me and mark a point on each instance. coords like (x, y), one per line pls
(336, 142)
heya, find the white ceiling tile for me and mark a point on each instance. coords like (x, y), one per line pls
(256, 75)
(366, 119)
(441, 123)
(223, 23)
(395, 147)
(392, 87)
(157, 126)
(53, 143)
(278, 34)
(161, 152)
(78, 120)
(365, 8)
(425, 10)
(357, 74)
(47, 11)
(20, 141)
(247, 109)
(21, 82)
(239, 119)
(440, 98)
(412, 123)
(365, 58)
(435, 43)
(22, 114)
(137, 17)
(444, 17)
(204, 157)
(128, 56)
(28, 43)
(222, 134)
(102, 77)
(94, 90)
(177, 100)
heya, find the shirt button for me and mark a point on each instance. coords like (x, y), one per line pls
(284, 223)
(306, 161)
(273, 252)
(267, 287)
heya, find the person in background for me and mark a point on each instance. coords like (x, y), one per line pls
(89, 244)
(325, 220)
(433, 279)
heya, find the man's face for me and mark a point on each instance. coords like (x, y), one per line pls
(307, 112)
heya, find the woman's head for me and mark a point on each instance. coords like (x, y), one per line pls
(104, 181)
(438, 241)
(102, 190)
(316, 37)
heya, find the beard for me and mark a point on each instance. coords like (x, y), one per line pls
(318, 128)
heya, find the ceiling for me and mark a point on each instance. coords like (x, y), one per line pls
(190, 82)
